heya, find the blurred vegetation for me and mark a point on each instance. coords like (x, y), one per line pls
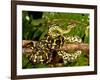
(35, 27)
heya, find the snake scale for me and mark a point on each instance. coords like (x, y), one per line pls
(44, 51)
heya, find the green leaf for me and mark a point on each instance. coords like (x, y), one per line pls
(37, 34)
(36, 22)
(40, 66)
(24, 61)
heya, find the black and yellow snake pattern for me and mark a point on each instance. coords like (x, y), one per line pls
(44, 51)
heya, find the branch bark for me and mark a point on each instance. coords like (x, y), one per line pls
(82, 46)
(65, 47)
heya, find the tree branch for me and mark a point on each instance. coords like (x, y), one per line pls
(82, 46)
(65, 47)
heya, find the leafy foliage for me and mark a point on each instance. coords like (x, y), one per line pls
(36, 29)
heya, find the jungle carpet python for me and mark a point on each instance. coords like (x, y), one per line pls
(44, 51)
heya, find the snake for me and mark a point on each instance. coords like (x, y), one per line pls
(44, 50)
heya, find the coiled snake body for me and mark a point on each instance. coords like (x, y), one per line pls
(44, 51)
